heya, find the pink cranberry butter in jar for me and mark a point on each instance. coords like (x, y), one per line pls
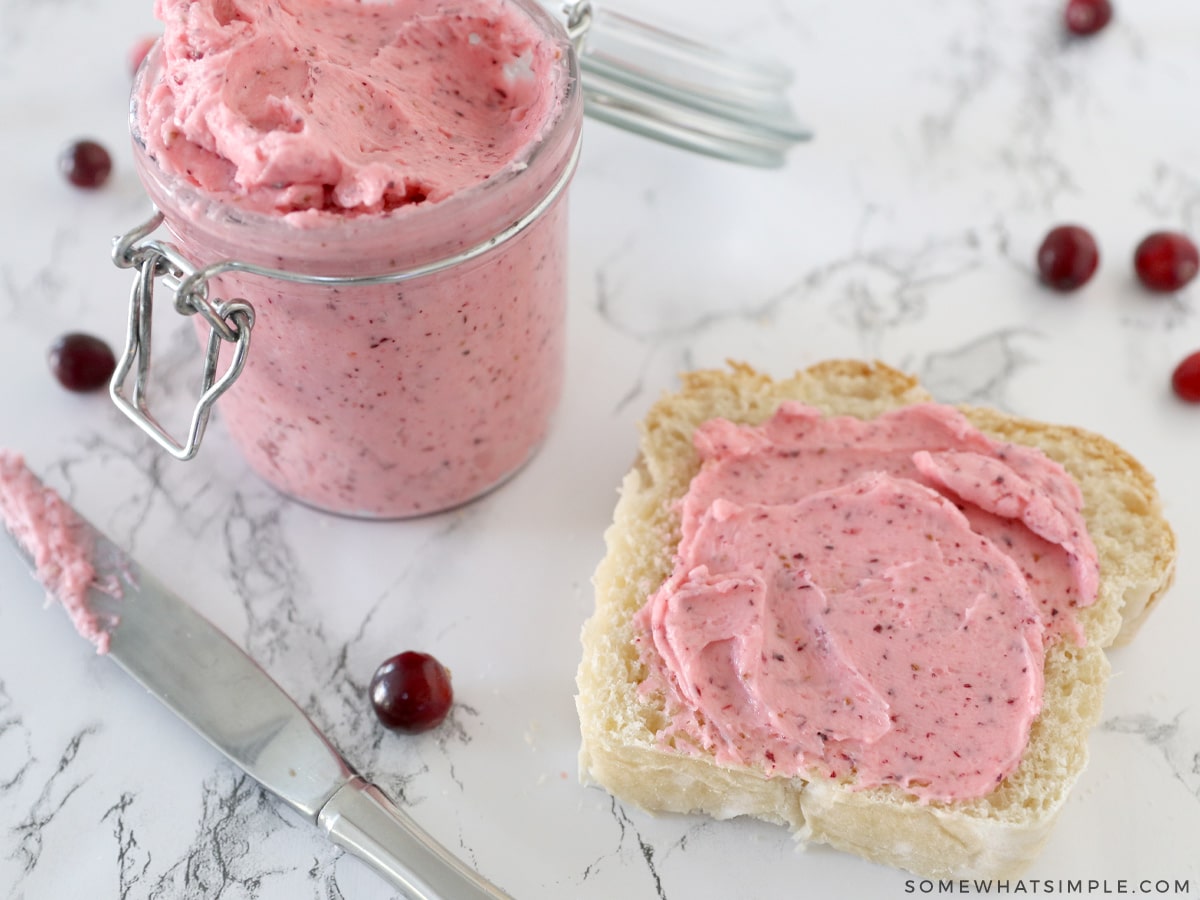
(365, 212)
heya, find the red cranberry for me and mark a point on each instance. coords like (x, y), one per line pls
(81, 362)
(85, 164)
(1068, 257)
(1166, 261)
(411, 692)
(1084, 17)
(1186, 379)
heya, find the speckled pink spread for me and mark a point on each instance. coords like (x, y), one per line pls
(345, 106)
(867, 600)
(55, 537)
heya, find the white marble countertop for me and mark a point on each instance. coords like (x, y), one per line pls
(951, 136)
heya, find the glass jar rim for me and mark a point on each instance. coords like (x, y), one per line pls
(543, 164)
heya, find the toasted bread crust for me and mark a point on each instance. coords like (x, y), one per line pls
(997, 835)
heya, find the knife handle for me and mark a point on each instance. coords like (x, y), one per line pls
(360, 818)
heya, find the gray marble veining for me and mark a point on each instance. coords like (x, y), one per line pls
(950, 137)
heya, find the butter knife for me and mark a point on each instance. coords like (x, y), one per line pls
(207, 680)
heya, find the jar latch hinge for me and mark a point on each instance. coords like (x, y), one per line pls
(229, 322)
(579, 20)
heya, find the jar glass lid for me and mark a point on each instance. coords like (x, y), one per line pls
(680, 91)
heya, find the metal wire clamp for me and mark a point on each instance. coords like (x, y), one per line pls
(229, 321)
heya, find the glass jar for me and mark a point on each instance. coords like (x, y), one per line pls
(401, 363)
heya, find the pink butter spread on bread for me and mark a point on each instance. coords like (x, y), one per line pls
(866, 600)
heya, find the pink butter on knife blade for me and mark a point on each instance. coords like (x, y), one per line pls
(202, 676)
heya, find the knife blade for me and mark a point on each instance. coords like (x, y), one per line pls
(206, 679)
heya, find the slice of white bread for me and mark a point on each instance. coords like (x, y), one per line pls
(997, 835)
